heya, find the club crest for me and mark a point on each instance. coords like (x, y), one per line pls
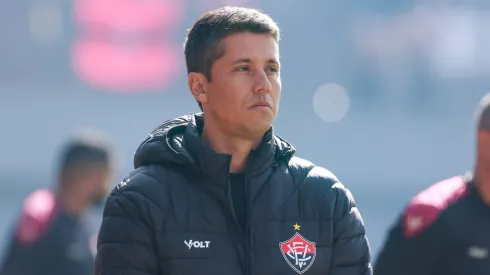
(298, 252)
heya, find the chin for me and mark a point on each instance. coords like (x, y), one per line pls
(259, 128)
(257, 123)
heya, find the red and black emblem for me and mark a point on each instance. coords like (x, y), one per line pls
(299, 253)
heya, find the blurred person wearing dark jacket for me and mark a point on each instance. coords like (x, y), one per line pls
(51, 236)
(445, 229)
(218, 192)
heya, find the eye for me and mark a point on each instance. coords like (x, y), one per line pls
(273, 69)
(243, 68)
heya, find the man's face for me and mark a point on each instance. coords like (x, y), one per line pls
(96, 183)
(243, 96)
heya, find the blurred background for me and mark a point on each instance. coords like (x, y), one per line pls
(381, 92)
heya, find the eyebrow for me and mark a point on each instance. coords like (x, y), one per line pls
(248, 60)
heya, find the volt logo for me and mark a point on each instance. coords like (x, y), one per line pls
(197, 244)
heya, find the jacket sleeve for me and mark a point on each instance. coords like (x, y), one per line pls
(351, 253)
(125, 244)
(413, 254)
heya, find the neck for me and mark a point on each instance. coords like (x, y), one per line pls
(482, 180)
(222, 143)
(72, 203)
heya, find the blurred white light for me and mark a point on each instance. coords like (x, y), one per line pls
(454, 51)
(331, 102)
(45, 22)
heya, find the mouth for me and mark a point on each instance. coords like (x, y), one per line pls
(261, 105)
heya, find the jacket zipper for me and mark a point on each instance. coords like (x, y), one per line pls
(249, 215)
(232, 209)
(247, 231)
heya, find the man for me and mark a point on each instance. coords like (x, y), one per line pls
(51, 236)
(219, 192)
(445, 229)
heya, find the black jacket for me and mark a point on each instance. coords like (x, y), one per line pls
(443, 231)
(47, 240)
(173, 214)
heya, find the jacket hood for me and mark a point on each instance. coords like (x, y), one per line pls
(169, 143)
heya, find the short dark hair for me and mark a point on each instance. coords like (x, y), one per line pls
(202, 45)
(87, 147)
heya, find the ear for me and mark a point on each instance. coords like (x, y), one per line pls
(483, 136)
(197, 85)
(483, 142)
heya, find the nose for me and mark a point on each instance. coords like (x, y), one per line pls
(262, 83)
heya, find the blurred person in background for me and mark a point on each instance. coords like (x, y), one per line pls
(445, 229)
(51, 236)
(218, 192)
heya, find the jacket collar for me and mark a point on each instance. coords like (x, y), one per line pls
(215, 167)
